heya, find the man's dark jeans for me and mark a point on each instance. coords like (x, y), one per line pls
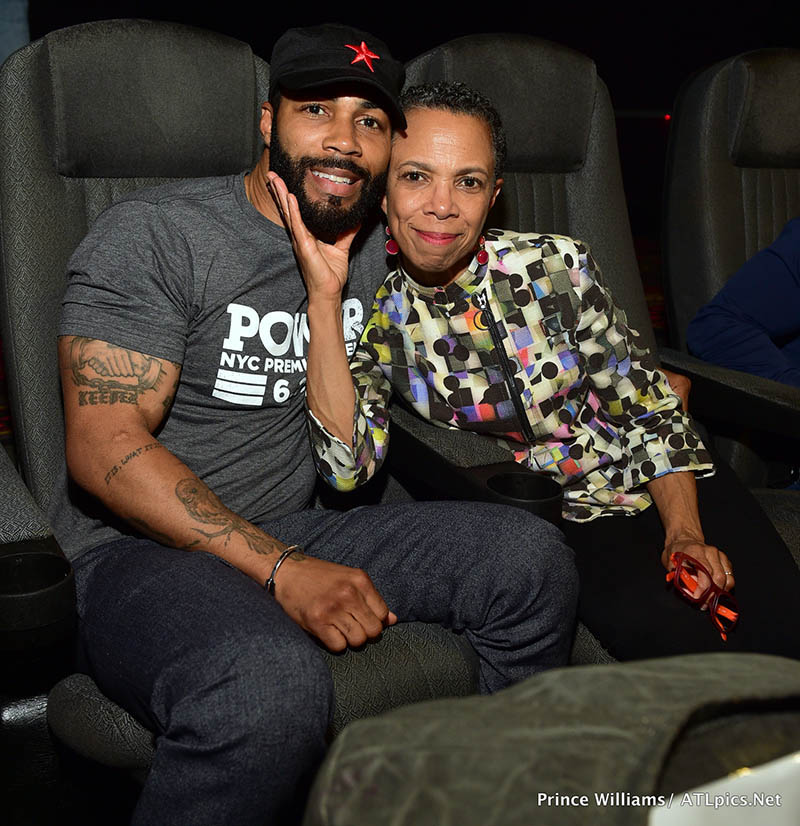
(240, 697)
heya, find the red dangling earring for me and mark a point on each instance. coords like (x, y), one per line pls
(482, 256)
(391, 244)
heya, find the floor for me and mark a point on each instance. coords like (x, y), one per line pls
(40, 783)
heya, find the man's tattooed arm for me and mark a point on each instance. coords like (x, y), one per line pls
(115, 401)
(148, 530)
(107, 374)
(168, 400)
(205, 507)
(129, 457)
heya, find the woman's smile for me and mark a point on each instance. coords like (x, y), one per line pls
(437, 238)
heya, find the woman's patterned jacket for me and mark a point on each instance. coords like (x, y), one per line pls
(532, 329)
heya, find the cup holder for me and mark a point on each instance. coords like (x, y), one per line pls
(534, 492)
(37, 600)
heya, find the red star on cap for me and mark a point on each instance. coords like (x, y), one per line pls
(363, 53)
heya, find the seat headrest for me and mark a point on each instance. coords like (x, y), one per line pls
(544, 92)
(764, 109)
(137, 98)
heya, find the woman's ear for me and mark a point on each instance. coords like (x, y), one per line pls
(498, 185)
(383, 205)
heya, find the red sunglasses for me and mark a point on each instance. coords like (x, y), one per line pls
(722, 607)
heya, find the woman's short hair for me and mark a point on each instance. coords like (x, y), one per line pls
(456, 97)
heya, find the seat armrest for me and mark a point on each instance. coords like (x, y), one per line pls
(740, 399)
(437, 463)
(460, 448)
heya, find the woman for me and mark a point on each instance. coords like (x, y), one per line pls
(514, 335)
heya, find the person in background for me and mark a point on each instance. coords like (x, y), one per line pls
(14, 33)
(753, 323)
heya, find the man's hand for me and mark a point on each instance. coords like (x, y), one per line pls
(324, 266)
(336, 604)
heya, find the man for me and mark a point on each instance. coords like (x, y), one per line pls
(753, 323)
(202, 575)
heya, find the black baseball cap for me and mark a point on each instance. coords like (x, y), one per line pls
(316, 57)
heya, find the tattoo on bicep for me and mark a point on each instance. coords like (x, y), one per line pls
(203, 505)
(134, 454)
(167, 403)
(108, 374)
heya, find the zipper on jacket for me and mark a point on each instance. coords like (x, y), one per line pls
(505, 365)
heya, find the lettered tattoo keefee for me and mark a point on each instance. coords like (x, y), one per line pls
(111, 374)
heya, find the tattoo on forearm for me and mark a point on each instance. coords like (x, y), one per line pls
(206, 507)
(108, 374)
(134, 454)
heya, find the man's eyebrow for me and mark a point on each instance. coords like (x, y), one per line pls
(365, 104)
(368, 104)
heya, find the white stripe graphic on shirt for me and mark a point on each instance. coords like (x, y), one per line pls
(247, 378)
(240, 388)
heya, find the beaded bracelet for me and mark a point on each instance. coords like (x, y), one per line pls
(269, 585)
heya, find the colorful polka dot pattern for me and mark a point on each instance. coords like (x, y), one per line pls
(604, 419)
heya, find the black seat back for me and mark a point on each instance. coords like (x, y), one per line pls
(88, 114)
(733, 174)
(563, 174)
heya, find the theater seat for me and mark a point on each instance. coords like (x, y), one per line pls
(732, 182)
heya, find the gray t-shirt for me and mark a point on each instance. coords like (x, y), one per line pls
(193, 273)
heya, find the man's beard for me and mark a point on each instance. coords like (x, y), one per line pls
(326, 219)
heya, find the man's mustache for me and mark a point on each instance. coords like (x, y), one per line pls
(335, 163)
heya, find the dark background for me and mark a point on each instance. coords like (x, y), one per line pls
(643, 52)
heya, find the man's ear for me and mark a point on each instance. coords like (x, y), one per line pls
(265, 124)
(498, 185)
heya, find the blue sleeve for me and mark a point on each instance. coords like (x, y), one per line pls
(753, 323)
